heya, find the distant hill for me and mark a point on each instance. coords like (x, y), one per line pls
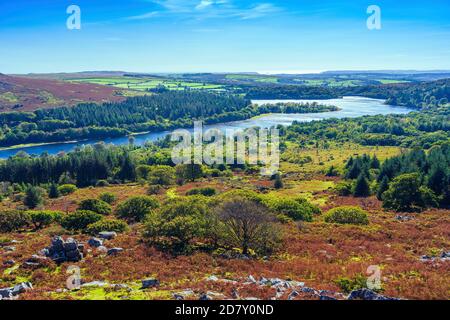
(26, 94)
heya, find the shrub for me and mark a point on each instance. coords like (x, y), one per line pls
(79, 220)
(66, 189)
(108, 197)
(107, 225)
(162, 175)
(95, 205)
(175, 224)
(136, 208)
(33, 197)
(42, 219)
(53, 191)
(291, 208)
(347, 285)
(14, 220)
(102, 183)
(344, 188)
(154, 189)
(347, 215)
(206, 191)
(406, 194)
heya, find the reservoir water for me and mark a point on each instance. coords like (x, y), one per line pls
(350, 107)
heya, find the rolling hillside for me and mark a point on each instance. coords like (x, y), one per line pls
(27, 94)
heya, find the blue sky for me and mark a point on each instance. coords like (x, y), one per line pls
(223, 36)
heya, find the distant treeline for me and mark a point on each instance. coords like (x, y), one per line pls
(136, 114)
(413, 95)
(419, 129)
(158, 112)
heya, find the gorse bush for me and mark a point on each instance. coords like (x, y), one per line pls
(206, 191)
(42, 219)
(347, 215)
(135, 209)
(14, 220)
(343, 188)
(405, 193)
(66, 189)
(293, 208)
(118, 226)
(95, 205)
(176, 223)
(80, 220)
(108, 197)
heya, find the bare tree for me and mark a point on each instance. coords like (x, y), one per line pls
(248, 225)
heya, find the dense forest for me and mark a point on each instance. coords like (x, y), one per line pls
(413, 95)
(417, 129)
(159, 112)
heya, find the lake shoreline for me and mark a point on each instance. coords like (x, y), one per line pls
(348, 107)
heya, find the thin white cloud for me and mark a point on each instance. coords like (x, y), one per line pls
(207, 9)
(144, 16)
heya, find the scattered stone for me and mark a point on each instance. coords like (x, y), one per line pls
(309, 290)
(95, 284)
(263, 281)
(102, 249)
(204, 296)
(10, 293)
(444, 256)
(95, 242)
(121, 286)
(114, 251)
(326, 298)
(107, 235)
(150, 283)
(251, 279)
(9, 262)
(61, 251)
(36, 261)
(212, 278)
(10, 248)
(367, 294)
(292, 295)
(183, 294)
(403, 218)
(234, 294)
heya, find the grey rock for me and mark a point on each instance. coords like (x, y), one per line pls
(10, 248)
(9, 293)
(107, 235)
(61, 251)
(367, 294)
(177, 296)
(150, 283)
(95, 284)
(251, 279)
(21, 288)
(95, 242)
(212, 278)
(9, 262)
(293, 295)
(323, 297)
(70, 245)
(204, 296)
(308, 290)
(5, 293)
(102, 249)
(114, 251)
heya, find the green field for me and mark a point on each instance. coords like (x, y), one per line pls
(147, 83)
